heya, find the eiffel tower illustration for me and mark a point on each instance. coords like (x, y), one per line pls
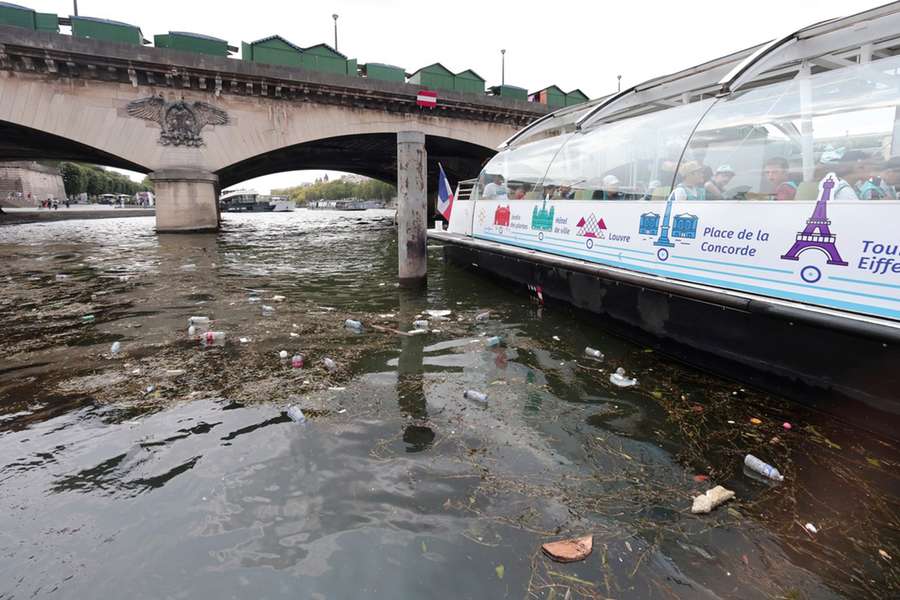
(817, 234)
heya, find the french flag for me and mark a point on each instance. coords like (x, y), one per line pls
(445, 195)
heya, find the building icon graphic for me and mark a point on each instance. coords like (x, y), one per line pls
(590, 227)
(501, 216)
(649, 224)
(685, 226)
(542, 218)
(664, 235)
(817, 234)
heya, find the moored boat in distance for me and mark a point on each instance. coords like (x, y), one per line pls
(251, 201)
(743, 214)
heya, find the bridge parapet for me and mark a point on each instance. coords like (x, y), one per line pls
(59, 57)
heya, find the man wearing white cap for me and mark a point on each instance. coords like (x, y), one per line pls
(610, 189)
(715, 187)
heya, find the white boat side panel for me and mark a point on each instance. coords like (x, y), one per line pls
(782, 250)
(461, 217)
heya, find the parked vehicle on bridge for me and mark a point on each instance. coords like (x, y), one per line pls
(785, 262)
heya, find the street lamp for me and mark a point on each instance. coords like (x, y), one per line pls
(75, 2)
(335, 17)
(619, 83)
(503, 66)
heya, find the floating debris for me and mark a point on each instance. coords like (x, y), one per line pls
(278, 298)
(704, 503)
(330, 365)
(755, 421)
(88, 319)
(811, 528)
(283, 355)
(566, 551)
(493, 341)
(438, 313)
(297, 361)
(296, 414)
(213, 338)
(483, 316)
(354, 325)
(420, 324)
(787, 425)
(594, 353)
(763, 468)
(115, 348)
(475, 395)
(618, 378)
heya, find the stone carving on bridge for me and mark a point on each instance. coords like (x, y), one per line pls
(180, 121)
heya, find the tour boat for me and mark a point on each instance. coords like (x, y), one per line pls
(741, 214)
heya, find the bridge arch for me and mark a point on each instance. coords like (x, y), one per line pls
(370, 154)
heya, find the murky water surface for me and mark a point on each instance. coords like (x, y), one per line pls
(171, 471)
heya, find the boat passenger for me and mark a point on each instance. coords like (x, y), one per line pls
(610, 189)
(565, 192)
(715, 187)
(495, 190)
(852, 166)
(691, 185)
(776, 172)
(881, 186)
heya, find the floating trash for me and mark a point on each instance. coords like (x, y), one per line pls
(88, 319)
(329, 364)
(593, 353)
(763, 468)
(254, 299)
(417, 332)
(297, 361)
(755, 421)
(115, 348)
(353, 325)
(493, 341)
(704, 503)
(420, 324)
(475, 395)
(283, 355)
(296, 414)
(149, 389)
(200, 322)
(618, 378)
(244, 340)
(213, 338)
(268, 311)
(483, 316)
(811, 528)
(787, 425)
(278, 298)
(566, 551)
(438, 313)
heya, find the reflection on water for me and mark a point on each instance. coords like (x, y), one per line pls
(172, 471)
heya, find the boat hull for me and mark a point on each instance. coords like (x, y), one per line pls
(812, 358)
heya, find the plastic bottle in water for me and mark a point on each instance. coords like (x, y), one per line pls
(763, 468)
(354, 325)
(329, 364)
(115, 348)
(283, 355)
(268, 311)
(212, 338)
(475, 395)
(199, 322)
(593, 353)
(493, 341)
(420, 324)
(483, 316)
(297, 361)
(254, 299)
(296, 415)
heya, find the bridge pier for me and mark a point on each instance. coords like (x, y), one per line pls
(412, 207)
(186, 200)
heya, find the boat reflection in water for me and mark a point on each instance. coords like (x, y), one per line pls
(251, 201)
(740, 213)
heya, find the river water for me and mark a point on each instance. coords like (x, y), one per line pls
(170, 470)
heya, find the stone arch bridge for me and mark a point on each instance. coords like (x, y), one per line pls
(198, 123)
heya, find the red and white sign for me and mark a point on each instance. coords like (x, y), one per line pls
(426, 99)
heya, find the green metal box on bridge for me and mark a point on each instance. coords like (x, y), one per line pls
(383, 72)
(552, 96)
(435, 77)
(191, 42)
(17, 16)
(46, 22)
(468, 82)
(323, 57)
(576, 97)
(510, 92)
(273, 50)
(22, 16)
(106, 30)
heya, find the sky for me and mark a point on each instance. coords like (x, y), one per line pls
(571, 44)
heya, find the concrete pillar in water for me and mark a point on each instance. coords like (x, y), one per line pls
(412, 207)
(186, 200)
